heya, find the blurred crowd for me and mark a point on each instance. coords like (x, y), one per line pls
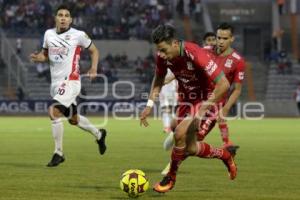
(103, 19)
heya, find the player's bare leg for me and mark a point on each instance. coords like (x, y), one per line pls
(57, 133)
(83, 123)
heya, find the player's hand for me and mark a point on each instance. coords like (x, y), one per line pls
(35, 57)
(92, 73)
(143, 117)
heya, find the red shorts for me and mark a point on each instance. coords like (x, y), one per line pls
(206, 124)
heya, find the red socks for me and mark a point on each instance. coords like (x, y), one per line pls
(207, 151)
(224, 132)
(177, 156)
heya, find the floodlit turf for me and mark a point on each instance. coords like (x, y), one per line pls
(268, 162)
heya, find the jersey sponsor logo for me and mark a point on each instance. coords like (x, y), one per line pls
(211, 67)
(190, 66)
(58, 51)
(228, 63)
(241, 75)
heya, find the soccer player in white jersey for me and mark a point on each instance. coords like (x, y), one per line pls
(168, 101)
(61, 48)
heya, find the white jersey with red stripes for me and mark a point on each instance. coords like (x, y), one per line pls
(64, 53)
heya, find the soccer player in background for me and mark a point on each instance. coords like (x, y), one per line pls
(201, 85)
(168, 102)
(61, 48)
(209, 39)
(233, 65)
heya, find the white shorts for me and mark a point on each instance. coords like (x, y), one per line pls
(168, 100)
(168, 94)
(66, 92)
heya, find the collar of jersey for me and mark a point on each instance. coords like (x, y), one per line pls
(227, 52)
(63, 31)
(181, 48)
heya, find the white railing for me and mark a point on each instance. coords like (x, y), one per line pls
(16, 68)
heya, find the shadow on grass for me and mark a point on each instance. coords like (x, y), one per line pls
(95, 187)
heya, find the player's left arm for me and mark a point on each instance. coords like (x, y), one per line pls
(238, 79)
(94, 54)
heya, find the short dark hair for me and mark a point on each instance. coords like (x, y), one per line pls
(162, 33)
(63, 7)
(208, 34)
(226, 26)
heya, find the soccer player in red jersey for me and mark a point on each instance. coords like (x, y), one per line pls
(201, 85)
(233, 65)
(209, 39)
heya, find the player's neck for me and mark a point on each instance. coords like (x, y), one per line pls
(227, 52)
(62, 30)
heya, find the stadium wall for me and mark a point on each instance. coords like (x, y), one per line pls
(246, 110)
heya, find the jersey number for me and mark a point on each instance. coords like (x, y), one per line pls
(61, 91)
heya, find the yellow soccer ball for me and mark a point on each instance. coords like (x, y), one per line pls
(134, 182)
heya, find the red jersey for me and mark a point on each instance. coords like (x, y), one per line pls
(233, 66)
(195, 71)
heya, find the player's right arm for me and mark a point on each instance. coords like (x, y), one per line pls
(157, 83)
(237, 84)
(42, 56)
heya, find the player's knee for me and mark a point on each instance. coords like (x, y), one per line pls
(179, 134)
(191, 149)
(54, 113)
(173, 124)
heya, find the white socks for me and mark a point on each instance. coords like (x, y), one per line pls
(166, 118)
(169, 141)
(86, 125)
(57, 133)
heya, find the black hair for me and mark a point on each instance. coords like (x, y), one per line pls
(164, 33)
(63, 7)
(226, 26)
(208, 34)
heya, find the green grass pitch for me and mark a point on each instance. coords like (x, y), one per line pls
(268, 162)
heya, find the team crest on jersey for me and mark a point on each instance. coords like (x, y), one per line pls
(228, 63)
(190, 66)
(67, 37)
